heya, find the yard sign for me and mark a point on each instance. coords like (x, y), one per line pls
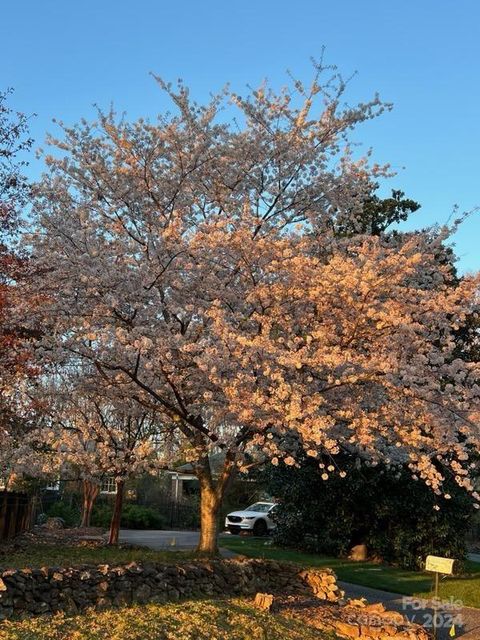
(438, 565)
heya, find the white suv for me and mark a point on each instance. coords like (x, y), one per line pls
(255, 518)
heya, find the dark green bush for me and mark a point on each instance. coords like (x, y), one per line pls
(133, 517)
(139, 517)
(384, 508)
(101, 515)
(69, 514)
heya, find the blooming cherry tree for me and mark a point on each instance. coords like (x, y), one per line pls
(89, 433)
(196, 262)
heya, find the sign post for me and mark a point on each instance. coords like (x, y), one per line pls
(438, 566)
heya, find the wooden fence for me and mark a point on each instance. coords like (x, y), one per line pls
(16, 514)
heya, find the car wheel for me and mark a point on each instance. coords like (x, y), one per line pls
(260, 528)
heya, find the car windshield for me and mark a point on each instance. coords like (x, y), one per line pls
(261, 507)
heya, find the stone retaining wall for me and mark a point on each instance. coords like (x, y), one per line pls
(30, 592)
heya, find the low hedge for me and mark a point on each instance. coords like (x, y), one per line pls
(134, 516)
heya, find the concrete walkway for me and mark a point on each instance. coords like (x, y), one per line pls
(469, 630)
(474, 557)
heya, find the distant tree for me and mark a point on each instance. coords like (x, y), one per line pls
(90, 433)
(380, 213)
(14, 141)
(15, 362)
(377, 214)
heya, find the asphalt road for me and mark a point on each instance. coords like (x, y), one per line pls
(159, 540)
(468, 630)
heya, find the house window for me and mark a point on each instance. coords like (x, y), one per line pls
(109, 486)
(53, 485)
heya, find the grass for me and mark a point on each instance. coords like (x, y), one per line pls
(465, 587)
(194, 620)
(41, 555)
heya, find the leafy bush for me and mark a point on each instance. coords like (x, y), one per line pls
(101, 515)
(69, 514)
(136, 516)
(133, 516)
(383, 508)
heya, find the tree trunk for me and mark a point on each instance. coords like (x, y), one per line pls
(209, 506)
(211, 498)
(117, 513)
(90, 493)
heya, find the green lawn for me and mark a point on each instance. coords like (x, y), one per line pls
(41, 555)
(194, 620)
(465, 587)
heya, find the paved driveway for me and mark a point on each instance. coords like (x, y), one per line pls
(171, 540)
(161, 539)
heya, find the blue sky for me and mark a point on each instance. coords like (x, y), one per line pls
(62, 56)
